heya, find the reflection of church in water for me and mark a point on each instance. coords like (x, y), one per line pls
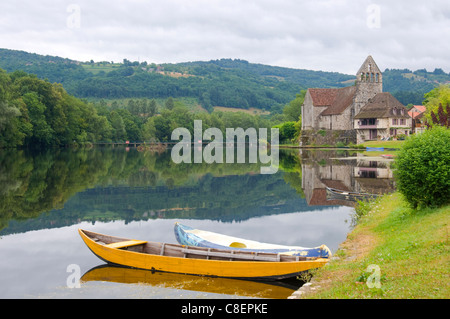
(322, 169)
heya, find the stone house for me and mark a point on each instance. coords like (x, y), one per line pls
(336, 109)
(382, 117)
(328, 109)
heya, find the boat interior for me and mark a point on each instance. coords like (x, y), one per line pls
(182, 251)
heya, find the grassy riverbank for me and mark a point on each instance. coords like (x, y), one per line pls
(409, 248)
(386, 144)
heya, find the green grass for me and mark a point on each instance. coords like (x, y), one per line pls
(96, 68)
(386, 144)
(411, 249)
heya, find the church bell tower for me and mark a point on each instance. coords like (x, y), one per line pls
(369, 82)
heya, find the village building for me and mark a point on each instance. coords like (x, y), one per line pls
(418, 123)
(357, 113)
(382, 117)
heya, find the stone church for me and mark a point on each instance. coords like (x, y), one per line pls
(356, 113)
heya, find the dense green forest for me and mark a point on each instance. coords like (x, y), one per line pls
(37, 113)
(409, 87)
(50, 101)
(228, 83)
(225, 82)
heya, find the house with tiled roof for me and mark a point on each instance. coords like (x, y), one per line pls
(416, 113)
(382, 117)
(416, 110)
(338, 110)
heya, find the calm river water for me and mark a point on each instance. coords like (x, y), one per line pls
(46, 197)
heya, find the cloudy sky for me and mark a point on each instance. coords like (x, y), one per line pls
(330, 35)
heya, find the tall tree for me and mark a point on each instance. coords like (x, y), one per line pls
(434, 98)
(170, 103)
(42, 133)
(118, 127)
(152, 108)
(294, 108)
(8, 125)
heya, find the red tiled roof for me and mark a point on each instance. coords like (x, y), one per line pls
(336, 100)
(344, 98)
(323, 97)
(414, 114)
(420, 109)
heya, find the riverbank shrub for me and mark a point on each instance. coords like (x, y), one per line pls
(422, 168)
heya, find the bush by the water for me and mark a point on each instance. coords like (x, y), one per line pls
(423, 168)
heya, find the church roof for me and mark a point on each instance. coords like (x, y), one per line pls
(323, 97)
(344, 98)
(336, 100)
(383, 105)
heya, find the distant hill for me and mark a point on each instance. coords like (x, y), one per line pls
(55, 69)
(225, 82)
(410, 86)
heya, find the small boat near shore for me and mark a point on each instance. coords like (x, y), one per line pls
(200, 238)
(336, 194)
(165, 257)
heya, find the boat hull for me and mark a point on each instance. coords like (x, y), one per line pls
(194, 237)
(255, 270)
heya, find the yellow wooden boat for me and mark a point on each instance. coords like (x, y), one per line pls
(202, 261)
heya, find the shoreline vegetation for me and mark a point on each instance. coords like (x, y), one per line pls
(406, 250)
(399, 246)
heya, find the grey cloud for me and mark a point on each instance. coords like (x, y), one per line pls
(331, 35)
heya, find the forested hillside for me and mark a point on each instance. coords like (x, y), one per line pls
(49, 101)
(410, 86)
(37, 113)
(225, 82)
(229, 83)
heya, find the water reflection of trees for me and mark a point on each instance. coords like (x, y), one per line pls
(110, 183)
